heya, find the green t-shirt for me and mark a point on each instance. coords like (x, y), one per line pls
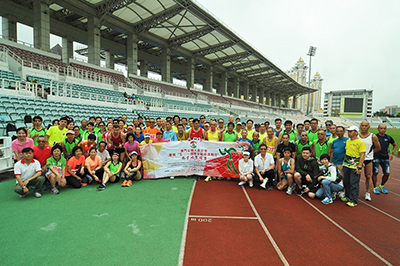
(292, 135)
(114, 167)
(69, 146)
(57, 165)
(41, 132)
(320, 149)
(229, 137)
(331, 139)
(86, 135)
(312, 136)
(300, 147)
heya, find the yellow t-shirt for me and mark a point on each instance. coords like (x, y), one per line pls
(270, 145)
(183, 136)
(174, 128)
(56, 135)
(353, 150)
(262, 136)
(212, 137)
(144, 142)
(250, 134)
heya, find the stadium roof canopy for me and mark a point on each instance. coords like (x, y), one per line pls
(186, 28)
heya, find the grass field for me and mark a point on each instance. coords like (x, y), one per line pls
(139, 225)
(393, 132)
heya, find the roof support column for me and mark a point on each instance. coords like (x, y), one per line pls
(67, 48)
(253, 93)
(144, 68)
(286, 101)
(273, 99)
(132, 53)
(261, 96)
(110, 59)
(190, 73)
(166, 65)
(208, 81)
(294, 102)
(279, 101)
(267, 97)
(236, 87)
(9, 28)
(41, 24)
(222, 89)
(246, 90)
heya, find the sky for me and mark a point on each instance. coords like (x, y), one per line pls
(357, 41)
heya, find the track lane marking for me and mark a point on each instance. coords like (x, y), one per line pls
(379, 210)
(223, 217)
(184, 233)
(349, 234)
(271, 239)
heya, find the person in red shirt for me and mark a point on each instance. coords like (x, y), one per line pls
(196, 131)
(116, 140)
(152, 130)
(86, 145)
(75, 168)
(42, 152)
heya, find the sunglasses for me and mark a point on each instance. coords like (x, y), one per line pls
(41, 141)
(263, 149)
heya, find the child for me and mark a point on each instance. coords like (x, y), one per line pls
(246, 166)
(286, 167)
(132, 170)
(111, 171)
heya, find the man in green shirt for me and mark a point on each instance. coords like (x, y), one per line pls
(313, 132)
(37, 130)
(320, 146)
(256, 143)
(230, 135)
(69, 143)
(301, 143)
(83, 127)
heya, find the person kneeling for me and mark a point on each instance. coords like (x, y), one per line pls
(246, 166)
(56, 166)
(132, 170)
(28, 173)
(306, 173)
(286, 167)
(264, 167)
(331, 181)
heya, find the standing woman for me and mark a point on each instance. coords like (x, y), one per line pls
(102, 130)
(20, 143)
(131, 145)
(94, 166)
(105, 134)
(138, 134)
(75, 168)
(132, 170)
(70, 125)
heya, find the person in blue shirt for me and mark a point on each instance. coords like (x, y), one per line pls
(169, 134)
(337, 149)
(138, 134)
(244, 140)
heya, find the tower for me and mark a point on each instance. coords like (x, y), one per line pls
(299, 74)
(316, 97)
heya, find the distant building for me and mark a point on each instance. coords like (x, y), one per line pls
(299, 74)
(355, 103)
(391, 110)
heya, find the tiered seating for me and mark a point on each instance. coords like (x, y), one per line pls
(395, 122)
(170, 89)
(9, 75)
(117, 77)
(149, 100)
(36, 60)
(155, 114)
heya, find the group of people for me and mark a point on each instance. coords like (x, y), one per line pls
(302, 158)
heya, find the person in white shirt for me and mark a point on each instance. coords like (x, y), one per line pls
(246, 166)
(264, 167)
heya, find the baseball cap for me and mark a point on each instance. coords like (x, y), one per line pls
(147, 135)
(159, 132)
(246, 153)
(353, 128)
(129, 127)
(70, 132)
(134, 152)
(239, 123)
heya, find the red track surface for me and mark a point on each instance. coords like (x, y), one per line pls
(365, 235)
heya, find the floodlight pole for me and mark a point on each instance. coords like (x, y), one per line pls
(311, 52)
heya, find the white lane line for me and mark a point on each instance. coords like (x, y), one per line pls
(375, 208)
(348, 233)
(222, 217)
(271, 239)
(184, 233)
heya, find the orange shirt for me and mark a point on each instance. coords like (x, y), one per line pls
(75, 164)
(86, 147)
(152, 132)
(93, 163)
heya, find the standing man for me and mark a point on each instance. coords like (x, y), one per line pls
(152, 130)
(313, 132)
(320, 146)
(42, 152)
(306, 125)
(382, 158)
(83, 126)
(221, 127)
(246, 141)
(170, 134)
(264, 133)
(278, 125)
(56, 134)
(250, 130)
(37, 129)
(231, 119)
(229, 135)
(196, 131)
(264, 166)
(256, 144)
(288, 130)
(301, 143)
(337, 149)
(371, 145)
(352, 166)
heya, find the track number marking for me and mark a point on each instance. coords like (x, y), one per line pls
(201, 220)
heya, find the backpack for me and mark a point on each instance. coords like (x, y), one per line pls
(10, 128)
(339, 176)
(27, 119)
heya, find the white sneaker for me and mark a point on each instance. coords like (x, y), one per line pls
(263, 185)
(241, 183)
(22, 195)
(289, 191)
(367, 196)
(341, 194)
(171, 177)
(37, 195)
(251, 183)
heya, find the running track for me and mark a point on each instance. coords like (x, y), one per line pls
(230, 225)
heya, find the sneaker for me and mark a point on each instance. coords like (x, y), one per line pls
(327, 201)
(344, 199)
(55, 191)
(367, 196)
(251, 183)
(383, 189)
(101, 187)
(289, 191)
(129, 183)
(45, 187)
(270, 188)
(334, 196)
(241, 183)
(263, 186)
(208, 178)
(23, 195)
(341, 194)
(228, 178)
(89, 179)
(171, 177)
(300, 192)
(84, 184)
(124, 183)
(214, 178)
(220, 178)
(351, 204)
(376, 191)
(37, 195)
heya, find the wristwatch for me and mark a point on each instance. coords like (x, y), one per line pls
(23, 187)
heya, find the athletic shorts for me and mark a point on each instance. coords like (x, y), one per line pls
(367, 162)
(384, 163)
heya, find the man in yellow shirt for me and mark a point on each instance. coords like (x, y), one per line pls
(352, 166)
(56, 134)
(250, 130)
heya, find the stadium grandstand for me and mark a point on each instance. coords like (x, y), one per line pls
(177, 39)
